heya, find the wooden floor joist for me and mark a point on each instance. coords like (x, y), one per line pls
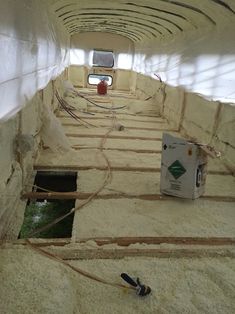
(146, 151)
(80, 254)
(113, 168)
(92, 95)
(77, 168)
(126, 127)
(117, 113)
(126, 241)
(107, 117)
(147, 197)
(119, 137)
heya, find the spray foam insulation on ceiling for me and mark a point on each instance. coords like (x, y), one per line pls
(142, 20)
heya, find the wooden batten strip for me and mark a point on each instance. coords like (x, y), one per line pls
(77, 168)
(110, 117)
(80, 254)
(147, 197)
(125, 113)
(113, 168)
(126, 127)
(93, 94)
(82, 196)
(146, 151)
(126, 241)
(126, 137)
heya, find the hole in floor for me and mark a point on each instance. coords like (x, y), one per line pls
(57, 181)
(39, 213)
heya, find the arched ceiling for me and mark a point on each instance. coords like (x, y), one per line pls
(142, 20)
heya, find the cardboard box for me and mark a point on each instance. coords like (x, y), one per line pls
(183, 168)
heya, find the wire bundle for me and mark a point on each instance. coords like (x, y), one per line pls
(65, 106)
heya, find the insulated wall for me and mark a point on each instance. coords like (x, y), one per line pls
(200, 61)
(20, 139)
(34, 49)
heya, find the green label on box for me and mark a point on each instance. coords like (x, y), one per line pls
(176, 169)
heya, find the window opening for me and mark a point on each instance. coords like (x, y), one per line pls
(103, 58)
(40, 212)
(94, 79)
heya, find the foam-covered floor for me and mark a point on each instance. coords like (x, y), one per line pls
(32, 283)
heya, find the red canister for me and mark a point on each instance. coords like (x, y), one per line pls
(102, 87)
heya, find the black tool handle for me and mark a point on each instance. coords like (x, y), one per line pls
(128, 279)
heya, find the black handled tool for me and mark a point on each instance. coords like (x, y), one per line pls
(141, 290)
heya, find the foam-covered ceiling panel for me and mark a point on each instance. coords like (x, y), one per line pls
(142, 20)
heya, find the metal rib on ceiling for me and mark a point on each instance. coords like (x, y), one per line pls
(140, 20)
